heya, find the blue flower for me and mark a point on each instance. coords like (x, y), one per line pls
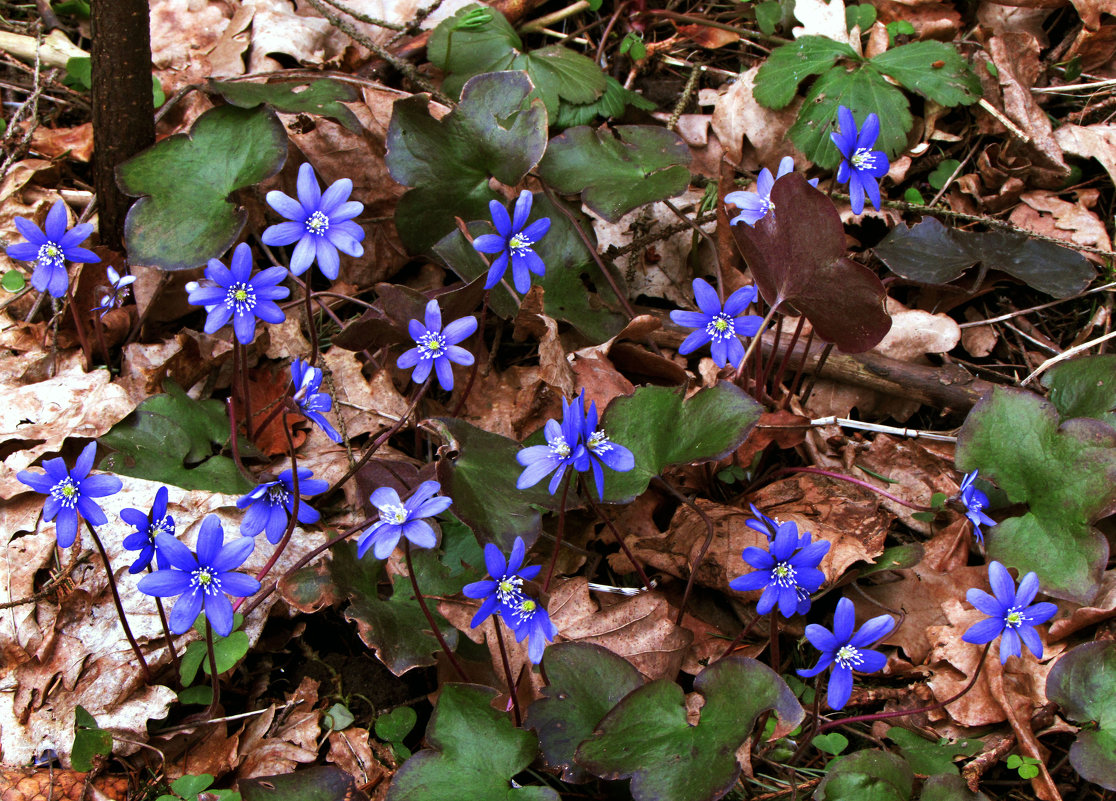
(515, 240)
(320, 222)
(845, 650)
(310, 402)
(204, 579)
(118, 285)
(147, 528)
(270, 504)
(71, 493)
(1012, 613)
(602, 452)
(528, 619)
(975, 501)
(236, 295)
(52, 248)
(787, 573)
(437, 348)
(755, 205)
(862, 165)
(722, 327)
(767, 526)
(563, 448)
(398, 519)
(503, 589)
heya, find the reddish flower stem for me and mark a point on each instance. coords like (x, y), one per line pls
(497, 622)
(476, 362)
(560, 533)
(616, 533)
(429, 617)
(859, 483)
(211, 653)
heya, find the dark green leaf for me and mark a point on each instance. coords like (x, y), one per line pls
(866, 776)
(326, 783)
(768, 15)
(458, 561)
(494, 131)
(864, 91)
(181, 223)
(1084, 387)
(1065, 474)
(790, 64)
(79, 8)
(559, 73)
(199, 694)
(862, 15)
(832, 743)
(227, 651)
(337, 718)
(479, 472)
(912, 195)
(942, 173)
(323, 97)
(662, 429)
(952, 84)
(189, 786)
(474, 753)
(395, 628)
(611, 104)
(89, 740)
(393, 726)
(584, 682)
(617, 173)
(949, 788)
(647, 738)
(13, 281)
(1083, 683)
(934, 254)
(928, 757)
(489, 47)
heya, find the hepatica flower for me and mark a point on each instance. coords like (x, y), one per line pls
(787, 572)
(563, 449)
(436, 349)
(307, 380)
(503, 588)
(514, 240)
(862, 165)
(767, 526)
(846, 650)
(50, 248)
(270, 504)
(321, 223)
(239, 296)
(399, 519)
(1012, 614)
(71, 493)
(975, 501)
(601, 451)
(147, 527)
(722, 327)
(528, 619)
(755, 205)
(202, 580)
(118, 290)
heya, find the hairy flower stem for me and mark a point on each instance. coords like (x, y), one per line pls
(560, 532)
(616, 533)
(79, 326)
(240, 373)
(476, 362)
(99, 333)
(211, 653)
(777, 381)
(497, 623)
(904, 712)
(234, 442)
(809, 388)
(166, 630)
(798, 371)
(708, 521)
(119, 606)
(429, 617)
(773, 632)
(859, 483)
(755, 342)
(740, 637)
(296, 500)
(311, 327)
(380, 440)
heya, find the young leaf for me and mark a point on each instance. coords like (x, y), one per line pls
(790, 64)
(1083, 683)
(323, 783)
(494, 131)
(647, 738)
(617, 173)
(89, 740)
(13, 281)
(189, 786)
(934, 254)
(465, 51)
(867, 776)
(560, 74)
(584, 682)
(323, 97)
(474, 753)
(832, 743)
(181, 223)
(1084, 387)
(930, 758)
(1066, 475)
(393, 726)
(661, 428)
(797, 256)
(609, 105)
(951, 83)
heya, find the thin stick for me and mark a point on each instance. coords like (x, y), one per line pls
(212, 654)
(429, 617)
(119, 606)
(560, 532)
(755, 341)
(773, 637)
(476, 362)
(1046, 365)
(497, 622)
(708, 521)
(619, 538)
(799, 371)
(859, 483)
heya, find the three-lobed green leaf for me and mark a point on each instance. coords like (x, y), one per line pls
(323, 97)
(1083, 683)
(1084, 387)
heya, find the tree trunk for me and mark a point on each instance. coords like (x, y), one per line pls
(123, 103)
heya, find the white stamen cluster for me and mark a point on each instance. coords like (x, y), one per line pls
(317, 223)
(849, 657)
(66, 491)
(519, 243)
(431, 345)
(241, 297)
(206, 579)
(278, 495)
(783, 575)
(598, 443)
(560, 447)
(50, 253)
(1014, 618)
(396, 514)
(721, 327)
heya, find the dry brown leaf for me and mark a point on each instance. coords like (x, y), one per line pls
(187, 753)
(1020, 695)
(514, 403)
(277, 741)
(979, 340)
(641, 628)
(1071, 222)
(182, 32)
(915, 333)
(738, 120)
(75, 143)
(350, 750)
(931, 20)
(704, 36)
(1102, 607)
(364, 404)
(50, 784)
